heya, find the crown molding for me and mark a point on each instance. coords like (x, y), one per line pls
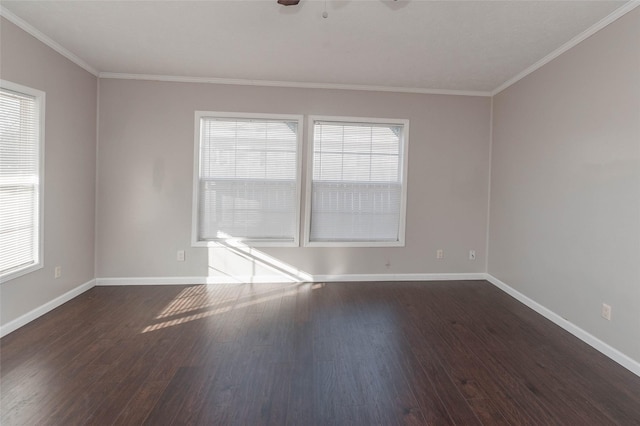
(626, 8)
(292, 84)
(11, 17)
(613, 16)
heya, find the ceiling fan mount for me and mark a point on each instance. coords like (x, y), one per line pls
(288, 2)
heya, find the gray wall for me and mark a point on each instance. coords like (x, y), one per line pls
(565, 188)
(69, 185)
(145, 175)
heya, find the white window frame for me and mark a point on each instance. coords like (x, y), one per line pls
(195, 242)
(309, 176)
(40, 114)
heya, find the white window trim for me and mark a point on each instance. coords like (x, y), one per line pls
(195, 242)
(40, 105)
(309, 176)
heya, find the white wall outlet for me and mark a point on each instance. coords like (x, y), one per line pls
(472, 255)
(606, 312)
(180, 256)
(57, 272)
(439, 254)
(387, 264)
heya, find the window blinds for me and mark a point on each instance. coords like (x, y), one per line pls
(357, 182)
(19, 181)
(248, 185)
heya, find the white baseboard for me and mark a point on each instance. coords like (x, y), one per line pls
(280, 278)
(611, 352)
(399, 277)
(41, 310)
(149, 281)
(123, 281)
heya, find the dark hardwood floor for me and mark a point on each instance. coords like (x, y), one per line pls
(391, 353)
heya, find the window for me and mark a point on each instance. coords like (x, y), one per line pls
(247, 178)
(21, 148)
(356, 194)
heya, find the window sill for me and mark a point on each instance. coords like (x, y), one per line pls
(20, 272)
(230, 242)
(354, 244)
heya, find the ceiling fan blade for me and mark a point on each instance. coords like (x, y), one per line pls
(288, 2)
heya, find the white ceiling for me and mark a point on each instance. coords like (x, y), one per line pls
(413, 44)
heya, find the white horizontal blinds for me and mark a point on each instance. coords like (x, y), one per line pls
(357, 182)
(248, 187)
(19, 181)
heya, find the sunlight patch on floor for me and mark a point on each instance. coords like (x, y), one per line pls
(186, 305)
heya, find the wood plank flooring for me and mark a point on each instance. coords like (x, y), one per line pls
(436, 353)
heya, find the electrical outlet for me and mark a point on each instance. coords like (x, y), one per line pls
(57, 272)
(180, 256)
(439, 254)
(606, 312)
(472, 255)
(388, 264)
